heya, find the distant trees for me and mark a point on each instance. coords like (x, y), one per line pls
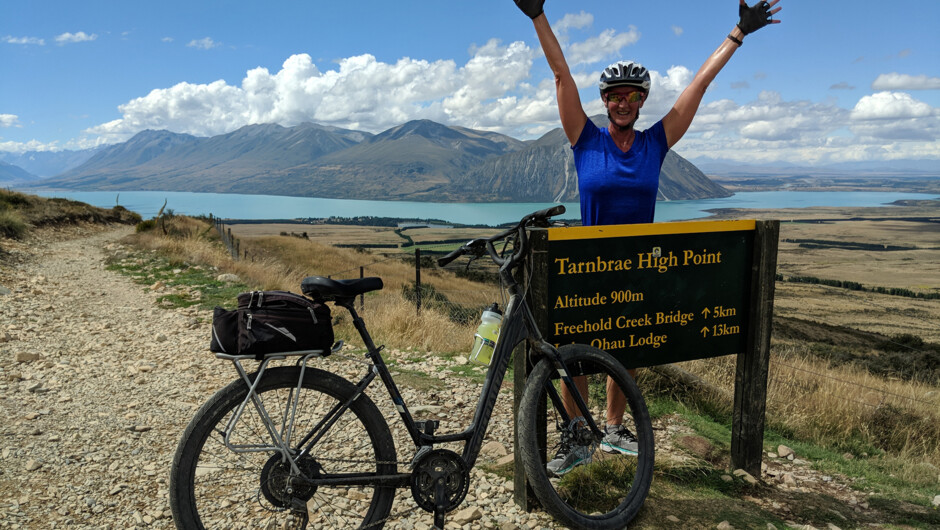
(855, 286)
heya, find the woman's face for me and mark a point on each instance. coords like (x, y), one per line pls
(623, 105)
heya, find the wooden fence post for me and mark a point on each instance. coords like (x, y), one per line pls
(750, 379)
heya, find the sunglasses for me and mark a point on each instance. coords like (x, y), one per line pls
(632, 97)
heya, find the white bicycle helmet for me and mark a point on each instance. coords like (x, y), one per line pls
(624, 73)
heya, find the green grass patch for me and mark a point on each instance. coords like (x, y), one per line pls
(408, 378)
(505, 471)
(466, 369)
(194, 285)
(899, 490)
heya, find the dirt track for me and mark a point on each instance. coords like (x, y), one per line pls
(97, 383)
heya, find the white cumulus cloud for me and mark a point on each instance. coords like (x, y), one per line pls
(69, 38)
(895, 116)
(890, 105)
(9, 120)
(896, 81)
(361, 93)
(33, 145)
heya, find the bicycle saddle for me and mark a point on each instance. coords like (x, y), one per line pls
(318, 287)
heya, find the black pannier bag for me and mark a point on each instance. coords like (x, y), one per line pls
(271, 322)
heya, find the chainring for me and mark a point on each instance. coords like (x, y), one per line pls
(440, 466)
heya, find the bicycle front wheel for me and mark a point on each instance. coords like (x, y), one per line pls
(214, 486)
(584, 482)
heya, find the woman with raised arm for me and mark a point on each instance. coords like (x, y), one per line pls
(618, 167)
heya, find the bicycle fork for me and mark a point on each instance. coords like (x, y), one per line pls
(547, 350)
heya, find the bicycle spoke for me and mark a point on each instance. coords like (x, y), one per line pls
(584, 481)
(255, 488)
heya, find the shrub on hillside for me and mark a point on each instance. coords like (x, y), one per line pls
(11, 225)
(39, 211)
(146, 226)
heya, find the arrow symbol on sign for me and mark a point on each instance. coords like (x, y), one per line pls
(705, 312)
(705, 331)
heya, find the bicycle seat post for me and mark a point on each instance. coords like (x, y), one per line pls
(358, 322)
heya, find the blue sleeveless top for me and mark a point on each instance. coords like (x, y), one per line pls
(618, 187)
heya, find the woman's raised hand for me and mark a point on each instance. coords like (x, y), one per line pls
(755, 17)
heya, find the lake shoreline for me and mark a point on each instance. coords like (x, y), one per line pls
(261, 207)
(914, 211)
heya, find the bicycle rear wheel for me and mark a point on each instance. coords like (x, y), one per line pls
(602, 487)
(212, 486)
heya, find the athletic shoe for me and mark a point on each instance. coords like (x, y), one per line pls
(619, 440)
(567, 458)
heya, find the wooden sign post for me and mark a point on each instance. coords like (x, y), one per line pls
(660, 293)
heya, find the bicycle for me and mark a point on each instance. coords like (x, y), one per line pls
(300, 445)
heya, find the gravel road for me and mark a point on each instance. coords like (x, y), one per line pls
(97, 382)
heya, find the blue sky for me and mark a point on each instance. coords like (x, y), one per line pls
(833, 82)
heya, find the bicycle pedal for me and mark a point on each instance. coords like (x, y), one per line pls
(427, 426)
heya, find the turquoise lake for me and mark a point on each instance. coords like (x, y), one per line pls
(234, 206)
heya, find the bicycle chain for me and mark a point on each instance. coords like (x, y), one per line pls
(390, 462)
(390, 517)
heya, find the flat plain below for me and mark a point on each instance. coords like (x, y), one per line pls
(830, 257)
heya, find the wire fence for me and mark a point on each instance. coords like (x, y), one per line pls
(461, 304)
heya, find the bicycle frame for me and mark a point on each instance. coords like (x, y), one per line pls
(518, 325)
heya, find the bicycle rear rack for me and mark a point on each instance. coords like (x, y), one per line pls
(282, 438)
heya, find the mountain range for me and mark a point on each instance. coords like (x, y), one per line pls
(42, 164)
(13, 173)
(419, 160)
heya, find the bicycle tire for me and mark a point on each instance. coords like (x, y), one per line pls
(606, 491)
(214, 487)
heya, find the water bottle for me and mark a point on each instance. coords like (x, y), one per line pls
(484, 341)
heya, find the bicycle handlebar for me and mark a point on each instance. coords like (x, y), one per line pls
(473, 243)
(539, 218)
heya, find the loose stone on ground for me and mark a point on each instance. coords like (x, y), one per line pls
(97, 384)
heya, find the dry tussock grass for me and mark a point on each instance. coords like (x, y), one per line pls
(833, 405)
(281, 263)
(393, 320)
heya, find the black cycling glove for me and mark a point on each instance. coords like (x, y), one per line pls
(752, 18)
(532, 8)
